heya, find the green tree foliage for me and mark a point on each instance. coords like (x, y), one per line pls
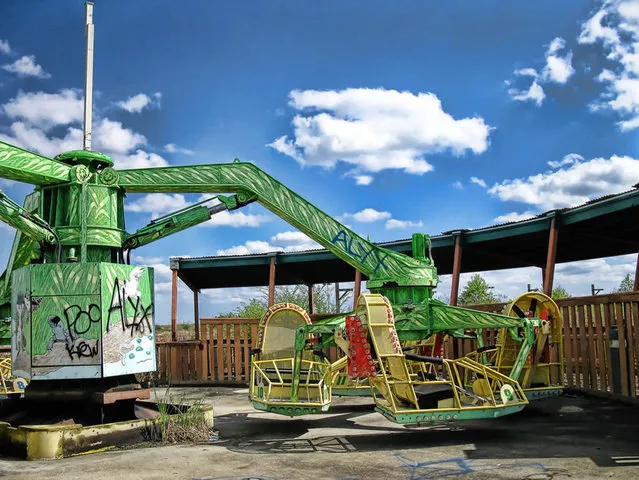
(477, 291)
(626, 285)
(254, 308)
(560, 292)
(324, 300)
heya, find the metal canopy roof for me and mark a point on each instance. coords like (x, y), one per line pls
(604, 227)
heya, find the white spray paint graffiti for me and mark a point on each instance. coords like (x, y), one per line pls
(129, 288)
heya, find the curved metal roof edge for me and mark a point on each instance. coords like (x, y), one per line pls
(507, 229)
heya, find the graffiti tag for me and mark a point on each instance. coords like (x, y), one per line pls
(82, 349)
(122, 296)
(360, 252)
(80, 321)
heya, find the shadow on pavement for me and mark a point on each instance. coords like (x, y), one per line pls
(561, 427)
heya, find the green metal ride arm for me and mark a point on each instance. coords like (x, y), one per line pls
(248, 181)
(178, 221)
(23, 166)
(20, 219)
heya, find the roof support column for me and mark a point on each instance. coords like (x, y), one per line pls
(311, 299)
(174, 300)
(549, 273)
(636, 287)
(271, 282)
(357, 288)
(196, 313)
(454, 288)
(337, 302)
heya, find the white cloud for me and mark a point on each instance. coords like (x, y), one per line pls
(571, 186)
(111, 136)
(290, 241)
(616, 27)
(227, 298)
(363, 179)
(250, 247)
(367, 215)
(558, 69)
(46, 109)
(396, 224)
(515, 217)
(236, 219)
(147, 260)
(139, 159)
(527, 72)
(139, 102)
(376, 129)
(458, 185)
(575, 277)
(173, 148)
(26, 67)
(36, 113)
(569, 159)
(158, 204)
(290, 237)
(33, 138)
(607, 273)
(478, 181)
(593, 30)
(535, 93)
(4, 47)
(294, 241)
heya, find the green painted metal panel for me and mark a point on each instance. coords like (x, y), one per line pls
(83, 320)
(24, 166)
(447, 317)
(65, 279)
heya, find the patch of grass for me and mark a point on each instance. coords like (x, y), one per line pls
(182, 421)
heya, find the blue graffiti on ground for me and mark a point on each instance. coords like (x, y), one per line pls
(431, 470)
(454, 467)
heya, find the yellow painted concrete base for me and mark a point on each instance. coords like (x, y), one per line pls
(39, 442)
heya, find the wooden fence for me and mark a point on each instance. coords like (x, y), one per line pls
(601, 346)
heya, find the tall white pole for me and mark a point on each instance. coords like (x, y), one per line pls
(88, 84)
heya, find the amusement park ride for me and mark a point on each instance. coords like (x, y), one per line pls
(81, 318)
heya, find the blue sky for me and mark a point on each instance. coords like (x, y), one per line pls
(481, 111)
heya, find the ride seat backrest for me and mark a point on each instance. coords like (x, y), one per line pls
(279, 335)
